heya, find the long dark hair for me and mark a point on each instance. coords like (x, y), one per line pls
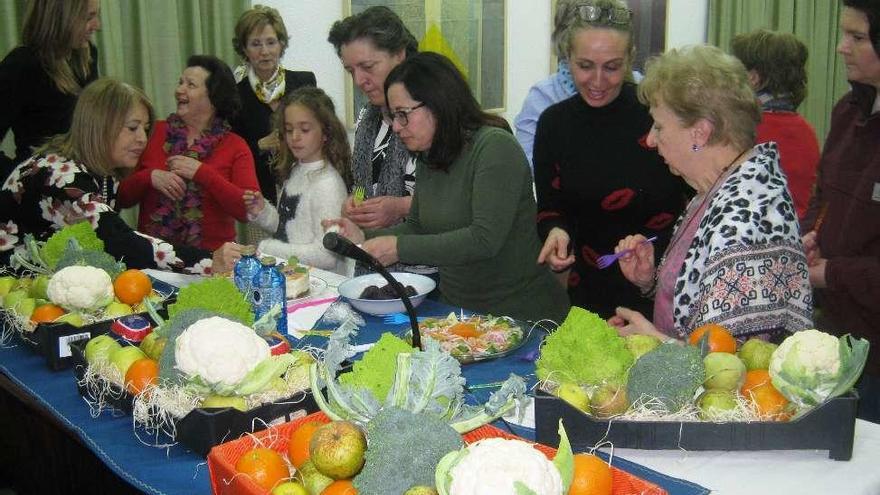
(434, 80)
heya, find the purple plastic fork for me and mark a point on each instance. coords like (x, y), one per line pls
(607, 260)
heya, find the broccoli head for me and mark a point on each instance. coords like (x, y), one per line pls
(666, 378)
(404, 450)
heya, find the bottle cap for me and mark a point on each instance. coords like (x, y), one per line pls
(248, 250)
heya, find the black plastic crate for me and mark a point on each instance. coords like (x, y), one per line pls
(830, 426)
(202, 429)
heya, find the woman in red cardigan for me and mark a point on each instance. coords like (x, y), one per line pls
(193, 174)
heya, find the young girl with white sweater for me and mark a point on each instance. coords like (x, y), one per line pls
(315, 166)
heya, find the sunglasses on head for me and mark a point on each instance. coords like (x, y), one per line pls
(614, 15)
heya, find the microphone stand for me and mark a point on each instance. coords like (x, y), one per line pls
(332, 242)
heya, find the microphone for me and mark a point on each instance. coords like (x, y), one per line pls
(344, 247)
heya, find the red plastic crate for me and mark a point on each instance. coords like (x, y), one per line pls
(222, 459)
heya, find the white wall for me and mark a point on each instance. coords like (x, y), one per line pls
(528, 42)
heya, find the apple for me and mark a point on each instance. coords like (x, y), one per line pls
(639, 344)
(575, 395)
(312, 479)
(724, 371)
(755, 354)
(609, 400)
(337, 449)
(714, 403)
(420, 490)
(116, 309)
(124, 356)
(73, 318)
(24, 283)
(222, 401)
(13, 297)
(6, 284)
(39, 286)
(99, 348)
(290, 488)
(153, 345)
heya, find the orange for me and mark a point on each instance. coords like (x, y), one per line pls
(769, 403)
(466, 330)
(720, 339)
(340, 487)
(140, 374)
(46, 313)
(592, 476)
(298, 446)
(132, 286)
(265, 466)
(754, 378)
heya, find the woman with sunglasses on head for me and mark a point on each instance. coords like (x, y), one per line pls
(596, 179)
(40, 80)
(473, 212)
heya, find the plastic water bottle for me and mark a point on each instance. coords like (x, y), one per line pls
(269, 288)
(245, 269)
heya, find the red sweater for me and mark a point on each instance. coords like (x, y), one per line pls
(224, 176)
(798, 153)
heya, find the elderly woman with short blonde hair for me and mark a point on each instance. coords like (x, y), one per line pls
(736, 257)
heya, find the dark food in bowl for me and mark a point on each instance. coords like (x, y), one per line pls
(375, 293)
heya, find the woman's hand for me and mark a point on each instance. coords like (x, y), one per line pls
(377, 212)
(811, 247)
(638, 265)
(631, 322)
(168, 184)
(383, 248)
(183, 166)
(555, 251)
(225, 257)
(269, 142)
(817, 273)
(253, 203)
(344, 227)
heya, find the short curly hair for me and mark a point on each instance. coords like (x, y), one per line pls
(378, 24)
(780, 59)
(702, 82)
(254, 19)
(222, 91)
(871, 9)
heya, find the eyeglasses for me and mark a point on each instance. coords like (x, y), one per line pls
(400, 116)
(614, 15)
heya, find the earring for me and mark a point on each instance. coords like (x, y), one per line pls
(695, 147)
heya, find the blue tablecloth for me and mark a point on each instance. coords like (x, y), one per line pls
(177, 471)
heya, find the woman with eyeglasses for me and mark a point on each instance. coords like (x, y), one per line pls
(473, 212)
(596, 179)
(260, 40)
(41, 79)
(736, 257)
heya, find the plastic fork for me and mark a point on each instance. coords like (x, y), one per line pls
(398, 319)
(358, 194)
(607, 260)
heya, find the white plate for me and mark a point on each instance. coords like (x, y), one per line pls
(316, 287)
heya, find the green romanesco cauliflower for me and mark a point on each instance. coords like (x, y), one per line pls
(55, 246)
(217, 294)
(375, 370)
(585, 350)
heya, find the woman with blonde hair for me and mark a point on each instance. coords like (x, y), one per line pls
(260, 40)
(735, 257)
(74, 177)
(40, 80)
(595, 178)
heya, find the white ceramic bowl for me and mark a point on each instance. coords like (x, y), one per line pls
(351, 289)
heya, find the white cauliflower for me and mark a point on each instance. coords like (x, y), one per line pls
(219, 351)
(80, 288)
(493, 466)
(806, 366)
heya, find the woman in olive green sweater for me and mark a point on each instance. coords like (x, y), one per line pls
(473, 214)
